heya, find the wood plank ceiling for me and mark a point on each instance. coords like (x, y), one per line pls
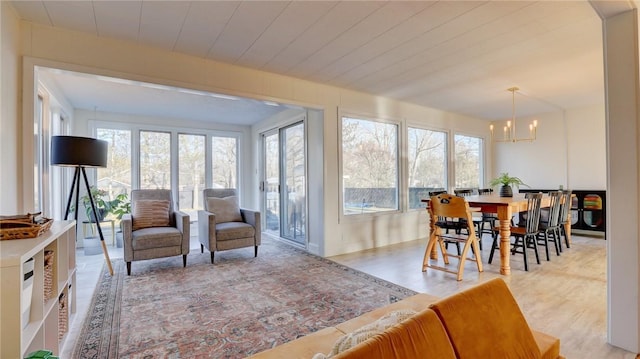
(457, 56)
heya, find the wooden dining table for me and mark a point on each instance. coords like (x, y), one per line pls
(505, 208)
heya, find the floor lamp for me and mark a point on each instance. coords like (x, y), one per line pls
(81, 152)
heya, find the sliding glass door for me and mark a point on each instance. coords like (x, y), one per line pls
(284, 194)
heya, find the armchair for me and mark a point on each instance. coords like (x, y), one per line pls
(223, 225)
(153, 229)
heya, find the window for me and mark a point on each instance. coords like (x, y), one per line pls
(224, 162)
(155, 160)
(116, 177)
(191, 163)
(427, 164)
(369, 166)
(468, 160)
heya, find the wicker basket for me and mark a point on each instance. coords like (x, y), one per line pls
(48, 274)
(23, 228)
(63, 315)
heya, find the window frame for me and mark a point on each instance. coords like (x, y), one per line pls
(400, 205)
(481, 157)
(447, 159)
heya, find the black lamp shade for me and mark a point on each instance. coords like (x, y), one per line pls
(78, 151)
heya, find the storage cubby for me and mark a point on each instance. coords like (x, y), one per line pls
(41, 328)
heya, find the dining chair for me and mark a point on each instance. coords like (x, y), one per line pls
(550, 225)
(447, 223)
(525, 236)
(449, 206)
(487, 218)
(565, 207)
(477, 219)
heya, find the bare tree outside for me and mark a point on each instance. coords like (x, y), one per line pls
(369, 166)
(224, 161)
(427, 163)
(191, 167)
(155, 160)
(116, 177)
(468, 169)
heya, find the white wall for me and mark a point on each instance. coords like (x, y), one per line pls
(69, 50)
(569, 151)
(10, 122)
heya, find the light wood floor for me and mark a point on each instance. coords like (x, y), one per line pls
(565, 297)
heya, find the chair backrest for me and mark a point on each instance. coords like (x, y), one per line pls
(463, 192)
(554, 208)
(484, 191)
(565, 206)
(534, 201)
(436, 192)
(153, 194)
(447, 205)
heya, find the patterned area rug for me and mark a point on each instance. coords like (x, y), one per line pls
(239, 306)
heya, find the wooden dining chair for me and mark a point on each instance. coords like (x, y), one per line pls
(449, 206)
(448, 223)
(525, 236)
(477, 217)
(488, 221)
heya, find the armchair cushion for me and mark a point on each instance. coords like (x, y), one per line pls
(234, 230)
(150, 213)
(226, 209)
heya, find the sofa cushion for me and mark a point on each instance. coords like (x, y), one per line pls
(150, 213)
(417, 303)
(549, 346)
(226, 209)
(304, 347)
(485, 321)
(359, 335)
(234, 230)
(420, 336)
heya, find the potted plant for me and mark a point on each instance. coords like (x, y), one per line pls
(506, 182)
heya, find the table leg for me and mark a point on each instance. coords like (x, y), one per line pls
(504, 218)
(567, 226)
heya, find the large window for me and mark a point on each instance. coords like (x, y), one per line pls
(116, 177)
(224, 162)
(427, 163)
(369, 166)
(468, 160)
(191, 172)
(155, 160)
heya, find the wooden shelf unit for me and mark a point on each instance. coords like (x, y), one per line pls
(41, 330)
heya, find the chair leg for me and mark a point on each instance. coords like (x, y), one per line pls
(184, 260)
(256, 252)
(546, 245)
(524, 252)
(535, 248)
(128, 268)
(494, 246)
(201, 248)
(212, 256)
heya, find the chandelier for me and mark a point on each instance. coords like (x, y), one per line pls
(509, 130)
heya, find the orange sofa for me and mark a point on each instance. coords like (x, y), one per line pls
(484, 321)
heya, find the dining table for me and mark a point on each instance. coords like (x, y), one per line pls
(504, 208)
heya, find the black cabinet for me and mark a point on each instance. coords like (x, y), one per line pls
(588, 209)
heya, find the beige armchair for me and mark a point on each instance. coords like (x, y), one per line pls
(223, 225)
(154, 229)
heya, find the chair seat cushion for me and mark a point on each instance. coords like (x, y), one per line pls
(234, 230)
(148, 238)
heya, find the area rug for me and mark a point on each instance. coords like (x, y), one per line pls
(237, 307)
